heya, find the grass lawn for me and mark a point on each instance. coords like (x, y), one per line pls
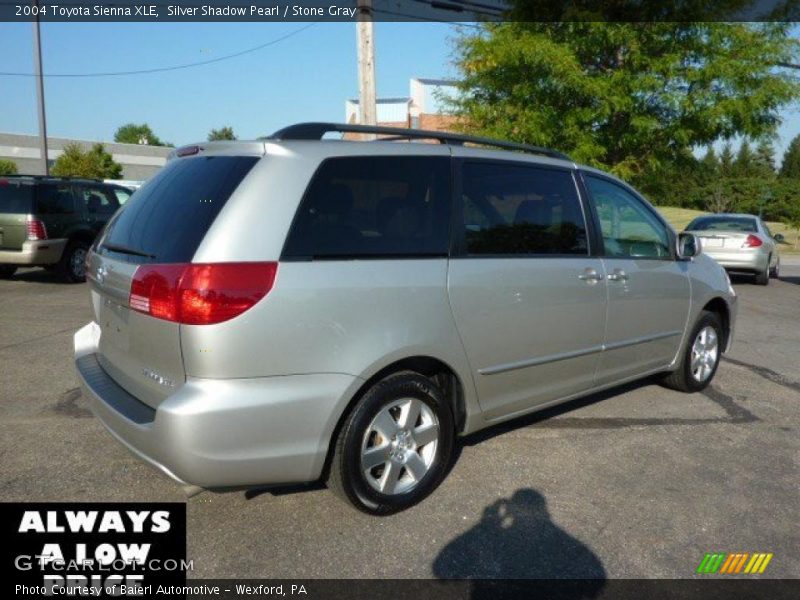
(680, 217)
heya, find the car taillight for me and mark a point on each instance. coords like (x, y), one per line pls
(752, 241)
(35, 230)
(200, 293)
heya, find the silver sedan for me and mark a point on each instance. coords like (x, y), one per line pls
(739, 242)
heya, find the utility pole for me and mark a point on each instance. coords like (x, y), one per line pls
(366, 64)
(37, 66)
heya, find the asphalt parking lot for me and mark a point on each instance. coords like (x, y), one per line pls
(636, 482)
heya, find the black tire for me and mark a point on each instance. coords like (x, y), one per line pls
(682, 378)
(346, 478)
(762, 277)
(775, 272)
(70, 267)
(7, 271)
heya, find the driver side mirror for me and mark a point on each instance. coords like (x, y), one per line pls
(688, 246)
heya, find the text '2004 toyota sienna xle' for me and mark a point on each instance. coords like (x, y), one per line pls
(301, 308)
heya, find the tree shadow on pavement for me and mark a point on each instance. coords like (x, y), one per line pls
(794, 280)
(517, 539)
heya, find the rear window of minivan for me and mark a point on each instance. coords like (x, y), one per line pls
(167, 218)
(374, 207)
(15, 196)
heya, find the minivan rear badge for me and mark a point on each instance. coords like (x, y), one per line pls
(159, 379)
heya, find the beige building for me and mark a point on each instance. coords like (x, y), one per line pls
(139, 161)
(423, 108)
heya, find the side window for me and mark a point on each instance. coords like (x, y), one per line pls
(54, 199)
(98, 201)
(372, 207)
(512, 209)
(122, 195)
(629, 229)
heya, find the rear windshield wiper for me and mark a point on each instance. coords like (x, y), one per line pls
(126, 250)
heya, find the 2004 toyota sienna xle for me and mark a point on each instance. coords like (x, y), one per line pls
(300, 308)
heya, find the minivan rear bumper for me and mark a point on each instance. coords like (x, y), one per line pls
(40, 252)
(222, 432)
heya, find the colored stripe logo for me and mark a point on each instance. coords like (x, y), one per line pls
(734, 563)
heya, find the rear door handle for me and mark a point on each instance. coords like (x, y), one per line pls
(590, 276)
(618, 275)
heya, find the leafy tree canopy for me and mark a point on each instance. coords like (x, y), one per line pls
(223, 133)
(624, 96)
(94, 163)
(8, 167)
(132, 133)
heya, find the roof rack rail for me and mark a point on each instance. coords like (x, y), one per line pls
(316, 131)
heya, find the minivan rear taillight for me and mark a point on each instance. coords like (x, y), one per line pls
(35, 229)
(752, 241)
(200, 293)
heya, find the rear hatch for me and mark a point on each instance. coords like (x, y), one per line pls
(16, 203)
(162, 224)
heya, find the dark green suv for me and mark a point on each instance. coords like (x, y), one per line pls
(52, 221)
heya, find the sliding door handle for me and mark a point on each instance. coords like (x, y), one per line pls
(590, 276)
(618, 275)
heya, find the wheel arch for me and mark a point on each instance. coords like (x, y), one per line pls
(435, 369)
(82, 235)
(720, 307)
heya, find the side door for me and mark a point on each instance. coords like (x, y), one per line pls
(648, 288)
(527, 295)
(98, 203)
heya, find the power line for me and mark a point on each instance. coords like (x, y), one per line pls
(171, 68)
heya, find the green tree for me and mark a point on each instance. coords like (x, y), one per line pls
(726, 161)
(223, 133)
(7, 167)
(744, 165)
(623, 95)
(790, 167)
(764, 159)
(95, 163)
(131, 133)
(710, 162)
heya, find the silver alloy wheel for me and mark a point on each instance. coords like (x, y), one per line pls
(705, 352)
(78, 262)
(399, 446)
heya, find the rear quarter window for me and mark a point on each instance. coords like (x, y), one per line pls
(167, 218)
(374, 207)
(15, 196)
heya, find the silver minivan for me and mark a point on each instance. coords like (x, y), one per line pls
(301, 309)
